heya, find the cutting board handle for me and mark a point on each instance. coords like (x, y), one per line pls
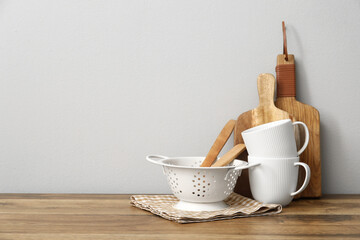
(266, 89)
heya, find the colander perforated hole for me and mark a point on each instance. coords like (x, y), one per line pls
(231, 181)
(199, 182)
(193, 192)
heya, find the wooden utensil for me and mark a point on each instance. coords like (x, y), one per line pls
(264, 113)
(219, 143)
(230, 155)
(286, 100)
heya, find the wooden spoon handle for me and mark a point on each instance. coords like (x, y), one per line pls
(219, 143)
(230, 155)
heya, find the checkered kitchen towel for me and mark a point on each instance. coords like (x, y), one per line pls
(239, 206)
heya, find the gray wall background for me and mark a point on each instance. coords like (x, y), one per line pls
(88, 88)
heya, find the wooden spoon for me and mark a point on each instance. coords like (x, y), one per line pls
(219, 143)
(230, 155)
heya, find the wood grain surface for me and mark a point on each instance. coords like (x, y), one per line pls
(230, 155)
(100, 217)
(310, 116)
(265, 112)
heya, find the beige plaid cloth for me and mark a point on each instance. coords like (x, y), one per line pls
(239, 206)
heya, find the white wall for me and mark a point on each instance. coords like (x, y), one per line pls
(88, 88)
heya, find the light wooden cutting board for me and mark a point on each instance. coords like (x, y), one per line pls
(264, 113)
(286, 100)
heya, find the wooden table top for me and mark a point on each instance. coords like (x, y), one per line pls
(94, 216)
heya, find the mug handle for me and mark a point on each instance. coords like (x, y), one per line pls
(307, 177)
(306, 136)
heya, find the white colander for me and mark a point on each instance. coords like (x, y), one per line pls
(199, 188)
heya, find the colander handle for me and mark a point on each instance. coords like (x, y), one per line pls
(155, 158)
(240, 168)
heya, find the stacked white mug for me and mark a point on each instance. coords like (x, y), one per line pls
(272, 148)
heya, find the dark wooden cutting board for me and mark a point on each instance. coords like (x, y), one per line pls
(286, 100)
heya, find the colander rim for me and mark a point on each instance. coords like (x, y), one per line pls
(160, 162)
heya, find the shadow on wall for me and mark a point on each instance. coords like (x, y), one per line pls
(302, 85)
(328, 132)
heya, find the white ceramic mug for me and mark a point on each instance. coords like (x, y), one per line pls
(274, 180)
(274, 139)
